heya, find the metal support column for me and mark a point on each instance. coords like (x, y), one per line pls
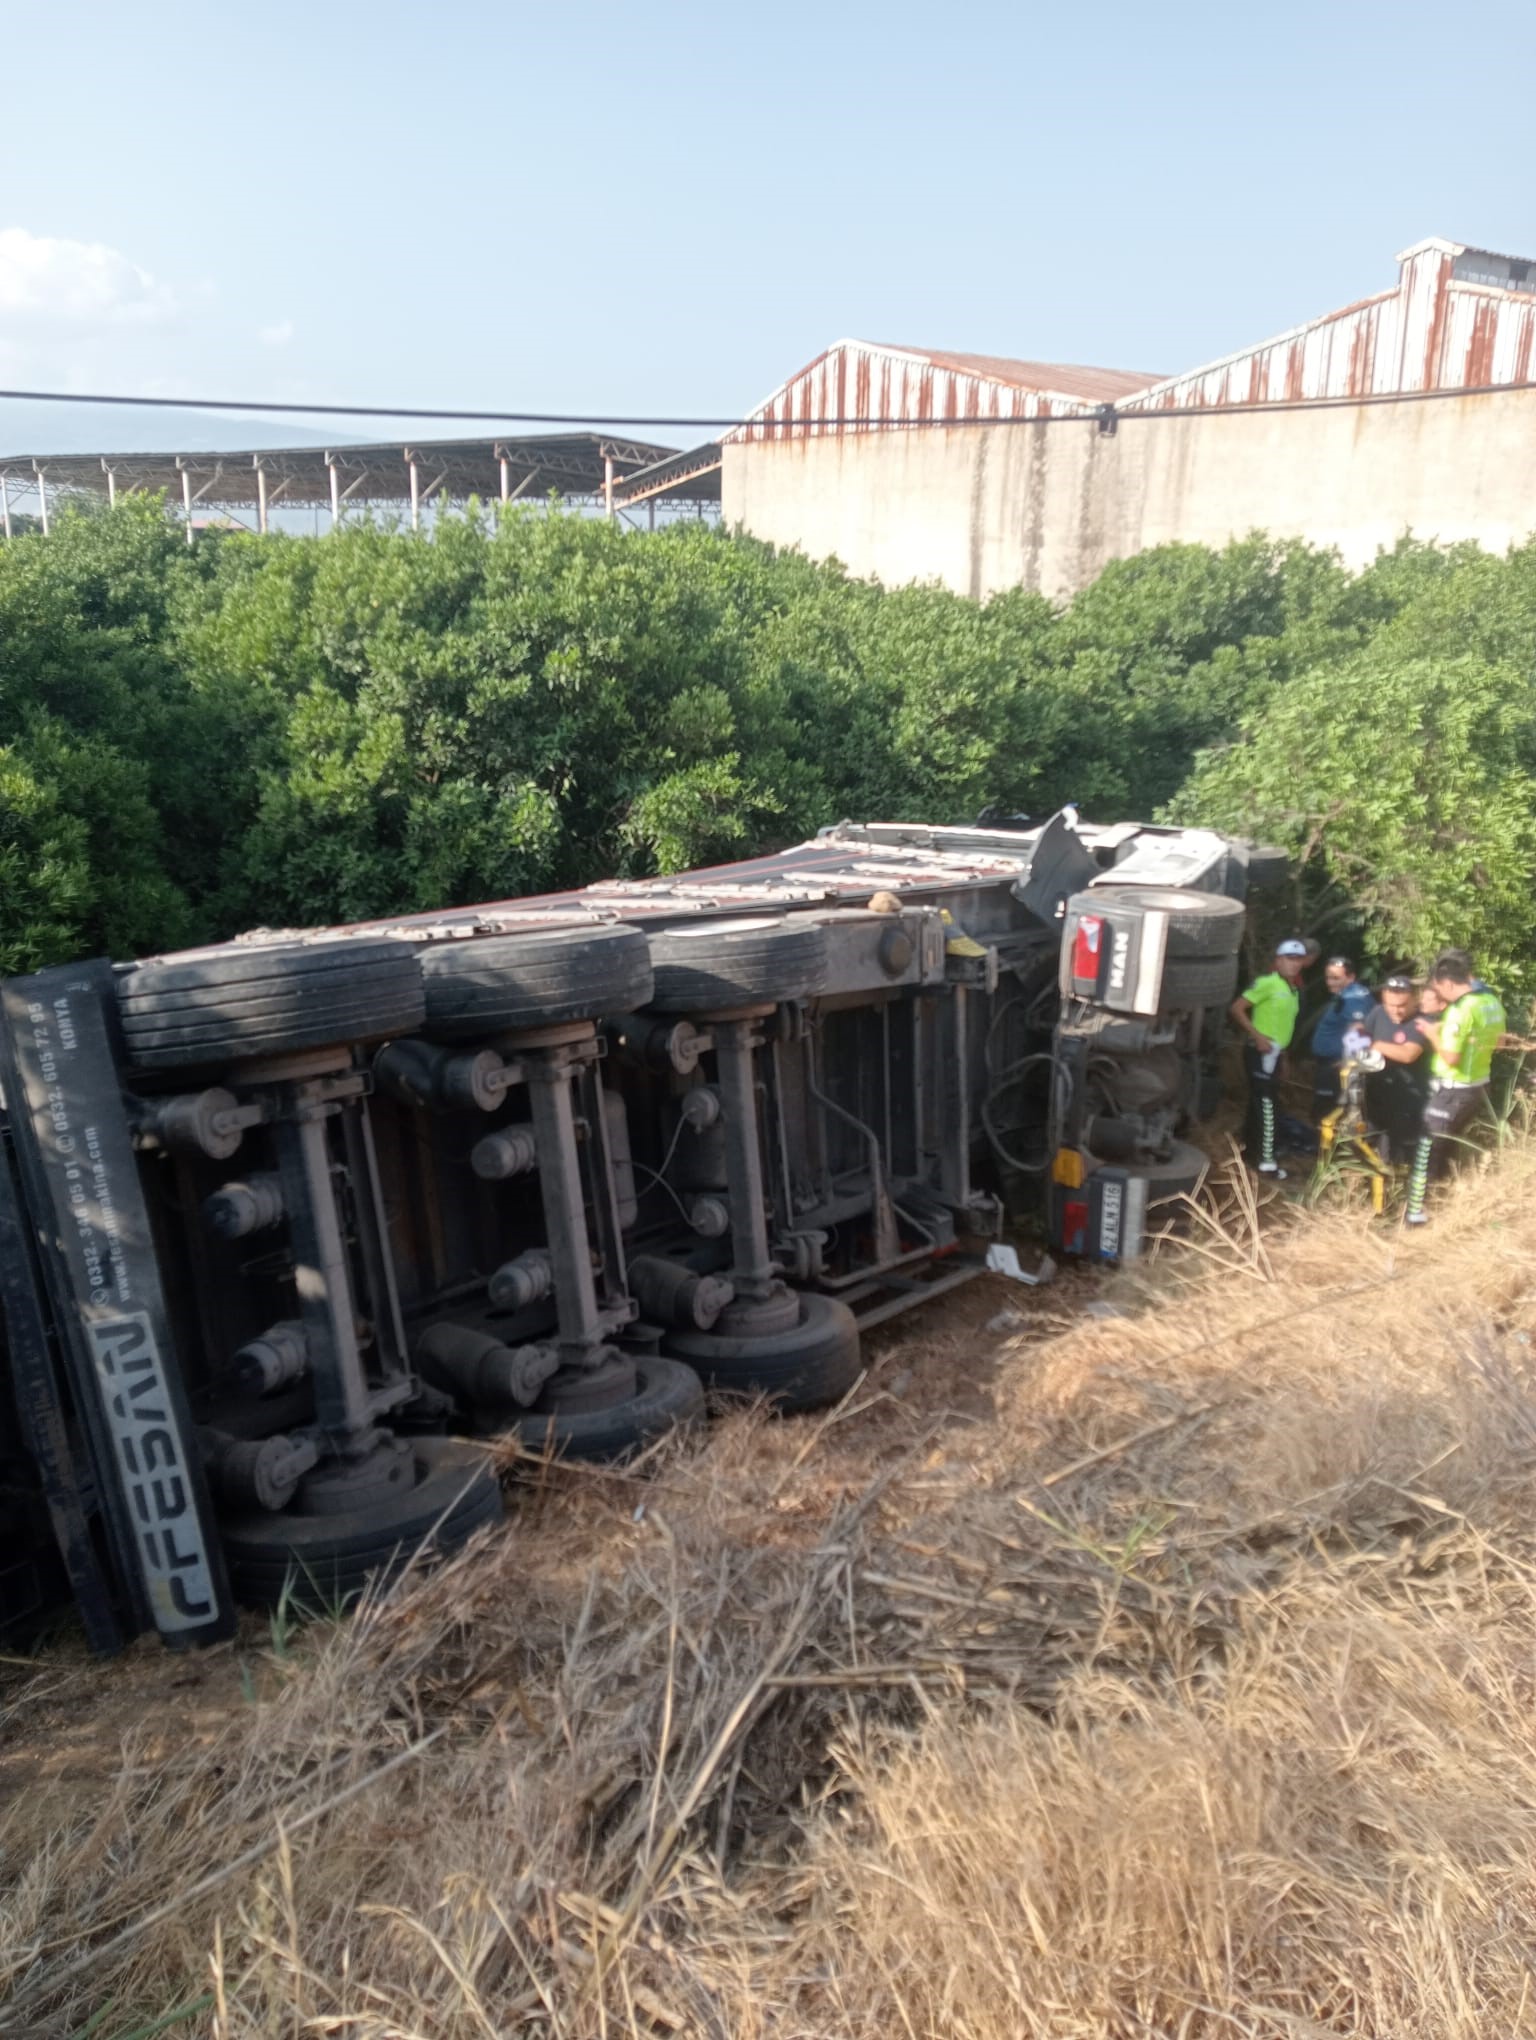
(415, 493)
(111, 484)
(335, 491)
(186, 500)
(42, 494)
(752, 1268)
(321, 1276)
(650, 514)
(5, 501)
(608, 486)
(565, 1212)
(607, 1233)
(373, 1240)
(506, 479)
(261, 499)
(951, 1078)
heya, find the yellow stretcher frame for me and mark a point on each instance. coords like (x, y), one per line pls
(1344, 1128)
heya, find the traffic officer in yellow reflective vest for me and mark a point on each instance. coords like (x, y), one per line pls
(1266, 1013)
(1464, 1038)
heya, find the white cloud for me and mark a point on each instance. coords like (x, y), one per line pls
(50, 282)
(277, 335)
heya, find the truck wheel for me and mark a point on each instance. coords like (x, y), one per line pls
(325, 1560)
(229, 1004)
(1195, 981)
(1199, 924)
(815, 1363)
(669, 1396)
(493, 984)
(1179, 1176)
(1266, 866)
(738, 963)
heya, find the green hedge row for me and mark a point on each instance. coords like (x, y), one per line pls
(286, 731)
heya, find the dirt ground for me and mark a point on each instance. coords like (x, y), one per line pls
(1149, 1653)
(66, 1718)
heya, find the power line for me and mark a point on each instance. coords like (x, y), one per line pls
(343, 410)
(1104, 413)
(578, 418)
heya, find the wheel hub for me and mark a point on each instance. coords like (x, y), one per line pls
(573, 1389)
(765, 1317)
(342, 1485)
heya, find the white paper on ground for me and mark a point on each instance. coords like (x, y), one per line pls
(1004, 1260)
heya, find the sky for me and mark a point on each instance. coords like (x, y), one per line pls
(667, 209)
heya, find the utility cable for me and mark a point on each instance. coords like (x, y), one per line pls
(1107, 416)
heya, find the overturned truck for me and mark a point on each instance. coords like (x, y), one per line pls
(289, 1226)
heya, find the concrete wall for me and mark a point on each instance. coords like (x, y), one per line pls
(1045, 505)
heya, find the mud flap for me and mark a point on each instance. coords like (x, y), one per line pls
(40, 1413)
(81, 1186)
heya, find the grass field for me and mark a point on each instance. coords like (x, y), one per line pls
(1147, 1655)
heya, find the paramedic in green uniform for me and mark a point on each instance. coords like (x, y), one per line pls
(1266, 1013)
(1463, 1038)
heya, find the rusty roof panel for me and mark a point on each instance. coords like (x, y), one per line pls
(1443, 327)
(1092, 385)
(1457, 318)
(860, 380)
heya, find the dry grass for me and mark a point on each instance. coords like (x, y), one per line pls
(1181, 1684)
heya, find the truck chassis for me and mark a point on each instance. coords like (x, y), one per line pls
(290, 1226)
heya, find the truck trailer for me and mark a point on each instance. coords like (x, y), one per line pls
(291, 1226)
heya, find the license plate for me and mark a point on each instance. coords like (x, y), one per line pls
(1110, 1211)
(155, 1478)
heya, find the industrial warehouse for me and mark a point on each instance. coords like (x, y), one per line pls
(982, 473)
(1308, 435)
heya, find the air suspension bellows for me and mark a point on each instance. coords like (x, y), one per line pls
(260, 1473)
(482, 1370)
(276, 1357)
(237, 1209)
(671, 1294)
(528, 1279)
(513, 1152)
(710, 1217)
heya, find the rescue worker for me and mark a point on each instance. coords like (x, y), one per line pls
(1349, 1005)
(1463, 1040)
(1395, 1097)
(1266, 1013)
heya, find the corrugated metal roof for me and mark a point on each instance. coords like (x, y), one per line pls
(1458, 317)
(860, 381)
(1093, 385)
(691, 477)
(1434, 330)
(571, 463)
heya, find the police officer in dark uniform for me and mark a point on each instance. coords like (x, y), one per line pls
(1395, 1095)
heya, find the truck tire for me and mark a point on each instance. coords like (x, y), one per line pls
(1197, 981)
(257, 999)
(1179, 1176)
(1266, 866)
(1199, 924)
(323, 1561)
(1210, 1092)
(670, 1397)
(720, 964)
(495, 984)
(815, 1363)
